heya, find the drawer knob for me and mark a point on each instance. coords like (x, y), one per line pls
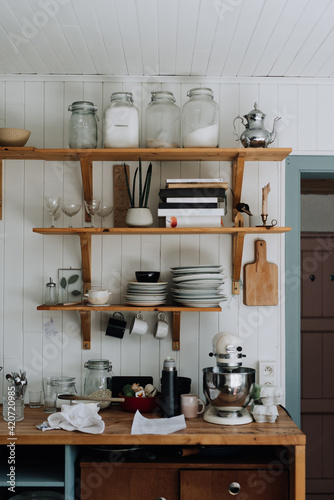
(234, 488)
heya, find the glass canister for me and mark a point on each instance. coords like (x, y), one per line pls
(121, 122)
(162, 121)
(200, 120)
(96, 379)
(82, 130)
(51, 294)
(64, 385)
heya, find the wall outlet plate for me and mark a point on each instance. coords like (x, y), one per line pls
(268, 373)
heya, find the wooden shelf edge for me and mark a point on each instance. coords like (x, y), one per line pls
(80, 306)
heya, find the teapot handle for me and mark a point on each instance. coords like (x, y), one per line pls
(235, 130)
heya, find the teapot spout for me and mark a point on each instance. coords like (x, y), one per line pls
(273, 134)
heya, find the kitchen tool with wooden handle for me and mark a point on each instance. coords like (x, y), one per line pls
(89, 398)
(260, 279)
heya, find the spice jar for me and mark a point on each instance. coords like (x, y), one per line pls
(64, 385)
(200, 120)
(162, 121)
(121, 122)
(82, 131)
(96, 379)
(51, 294)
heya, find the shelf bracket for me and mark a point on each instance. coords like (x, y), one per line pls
(0, 189)
(237, 178)
(87, 181)
(86, 253)
(86, 329)
(176, 330)
(237, 250)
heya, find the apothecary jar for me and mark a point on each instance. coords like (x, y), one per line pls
(97, 374)
(162, 121)
(121, 122)
(82, 130)
(200, 120)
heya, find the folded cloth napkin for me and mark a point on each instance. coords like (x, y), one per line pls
(80, 417)
(142, 425)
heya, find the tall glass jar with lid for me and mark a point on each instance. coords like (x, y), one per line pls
(121, 122)
(82, 131)
(97, 375)
(200, 120)
(162, 121)
(64, 385)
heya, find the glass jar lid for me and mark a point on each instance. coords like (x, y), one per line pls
(200, 91)
(162, 95)
(122, 96)
(82, 105)
(98, 364)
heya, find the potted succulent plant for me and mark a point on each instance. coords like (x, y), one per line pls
(139, 215)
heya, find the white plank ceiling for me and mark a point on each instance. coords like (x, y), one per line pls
(228, 38)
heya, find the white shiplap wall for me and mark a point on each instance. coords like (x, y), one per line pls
(27, 259)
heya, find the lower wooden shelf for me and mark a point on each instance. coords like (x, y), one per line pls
(86, 310)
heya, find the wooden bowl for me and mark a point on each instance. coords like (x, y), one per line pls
(144, 405)
(14, 137)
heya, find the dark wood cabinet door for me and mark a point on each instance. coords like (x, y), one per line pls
(224, 484)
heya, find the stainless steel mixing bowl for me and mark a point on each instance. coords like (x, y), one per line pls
(228, 388)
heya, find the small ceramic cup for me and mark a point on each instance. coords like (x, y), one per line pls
(98, 297)
(190, 405)
(138, 325)
(161, 327)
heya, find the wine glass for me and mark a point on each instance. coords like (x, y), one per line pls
(104, 211)
(92, 207)
(52, 203)
(70, 209)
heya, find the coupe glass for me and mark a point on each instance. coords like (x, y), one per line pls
(70, 209)
(104, 211)
(52, 203)
(92, 207)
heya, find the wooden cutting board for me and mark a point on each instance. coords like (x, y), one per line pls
(260, 279)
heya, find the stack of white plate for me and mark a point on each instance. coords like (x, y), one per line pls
(146, 294)
(198, 286)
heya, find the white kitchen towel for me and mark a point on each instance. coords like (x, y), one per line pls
(80, 417)
(142, 425)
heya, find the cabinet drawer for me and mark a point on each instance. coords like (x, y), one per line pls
(239, 484)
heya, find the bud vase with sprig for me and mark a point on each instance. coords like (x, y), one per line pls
(139, 215)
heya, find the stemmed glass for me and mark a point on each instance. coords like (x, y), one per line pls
(70, 209)
(104, 211)
(92, 207)
(52, 203)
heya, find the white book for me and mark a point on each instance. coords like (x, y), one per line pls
(172, 181)
(163, 212)
(200, 221)
(203, 199)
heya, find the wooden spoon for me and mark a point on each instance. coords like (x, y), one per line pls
(89, 398)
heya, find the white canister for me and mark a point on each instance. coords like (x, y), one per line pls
(121, 122)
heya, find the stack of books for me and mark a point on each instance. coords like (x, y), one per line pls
(193, 202)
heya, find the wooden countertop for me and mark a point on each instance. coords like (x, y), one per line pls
(118, 432)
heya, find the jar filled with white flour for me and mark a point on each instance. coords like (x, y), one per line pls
(162, 121)
(200, 120)
(121, 122)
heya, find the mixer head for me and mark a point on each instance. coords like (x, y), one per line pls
(227, 350)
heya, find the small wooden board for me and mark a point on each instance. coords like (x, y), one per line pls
(121, 198)
(260, 279)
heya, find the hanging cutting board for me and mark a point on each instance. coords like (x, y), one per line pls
(260, 279)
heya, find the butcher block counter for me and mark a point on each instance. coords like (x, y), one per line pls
(282, 435)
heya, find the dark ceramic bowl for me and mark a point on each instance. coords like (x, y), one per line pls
(147, 276)
(144, 405)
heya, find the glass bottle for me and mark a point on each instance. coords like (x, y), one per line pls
(97, 375)
(82, 130)
(162, 121)
(200, 120)
(51, 294)
(121, 122)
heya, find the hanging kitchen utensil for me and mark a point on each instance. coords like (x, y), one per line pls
(260, 279)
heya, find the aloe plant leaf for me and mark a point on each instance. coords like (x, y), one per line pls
(134, 187)
(140, 185)
(72, 279)
(63, 283)
(148, 184)
(128, 186)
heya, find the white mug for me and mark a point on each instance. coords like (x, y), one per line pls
(138, 325)
(161, 327)
(190, 405)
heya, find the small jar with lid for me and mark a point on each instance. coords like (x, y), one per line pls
(121, 122)
(97, 375)
(162, 121)
(82, 131)
(200, 120)
(64, 385)
(51, 293)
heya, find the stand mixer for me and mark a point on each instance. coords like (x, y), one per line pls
(228, 385)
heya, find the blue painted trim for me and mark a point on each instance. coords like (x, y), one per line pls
(295, 167)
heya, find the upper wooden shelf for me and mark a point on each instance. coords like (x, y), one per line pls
(161, 154)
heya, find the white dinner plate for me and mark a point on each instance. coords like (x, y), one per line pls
(216, 266)
(147, 304)
(189, 277)
(192, 270)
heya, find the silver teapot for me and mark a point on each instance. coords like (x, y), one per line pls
(255, 135)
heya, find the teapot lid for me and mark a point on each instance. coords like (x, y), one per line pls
(256, 113)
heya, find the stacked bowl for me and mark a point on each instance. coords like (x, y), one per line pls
(198, 286)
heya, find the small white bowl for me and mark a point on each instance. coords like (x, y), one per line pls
(98, 297)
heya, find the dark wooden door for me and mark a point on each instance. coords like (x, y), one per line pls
(317, 362)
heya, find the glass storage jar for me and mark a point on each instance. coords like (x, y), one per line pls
(96, 379)
(64, 385)
(121, 122)
(162, 121)
(51, 294)
(82, 131)
(200, 120)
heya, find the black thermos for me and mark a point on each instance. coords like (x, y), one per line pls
(168, 389)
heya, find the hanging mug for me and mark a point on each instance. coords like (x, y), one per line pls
(116, 327)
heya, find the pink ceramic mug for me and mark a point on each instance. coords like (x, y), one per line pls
(190, 405)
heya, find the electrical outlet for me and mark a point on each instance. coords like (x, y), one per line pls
(268, 373)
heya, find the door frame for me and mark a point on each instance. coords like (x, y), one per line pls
(295, 167)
